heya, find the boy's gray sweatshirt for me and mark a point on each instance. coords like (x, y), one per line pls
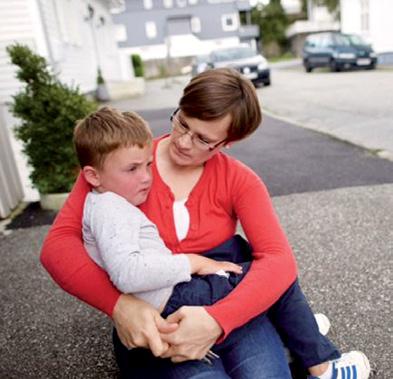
(126, 244)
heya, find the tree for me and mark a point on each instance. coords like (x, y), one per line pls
(272, 21)
(48, 110)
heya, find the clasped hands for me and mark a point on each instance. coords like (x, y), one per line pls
(187, 334)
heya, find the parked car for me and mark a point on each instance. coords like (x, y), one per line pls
(242, 58)
(199, 64)
(338, 51)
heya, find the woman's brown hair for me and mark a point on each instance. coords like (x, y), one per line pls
(215, 93)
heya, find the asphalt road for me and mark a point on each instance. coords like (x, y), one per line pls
(294, 160)
(343, 240)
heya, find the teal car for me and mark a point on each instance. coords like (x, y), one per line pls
(337, 51)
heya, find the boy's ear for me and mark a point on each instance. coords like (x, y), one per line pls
(91, 175)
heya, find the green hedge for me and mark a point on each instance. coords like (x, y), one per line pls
(47, 110)
(137, 63)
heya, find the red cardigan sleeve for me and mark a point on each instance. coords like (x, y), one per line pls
(273, 268)
(65, 258)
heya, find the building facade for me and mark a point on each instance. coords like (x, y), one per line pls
(372, 20)
(76, 37)
(162, 29)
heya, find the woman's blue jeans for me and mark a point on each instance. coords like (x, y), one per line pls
(253, 351)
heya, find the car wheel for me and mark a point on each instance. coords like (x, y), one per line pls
(307, 66)
(267, 82)
(334, 67)
(371, 67)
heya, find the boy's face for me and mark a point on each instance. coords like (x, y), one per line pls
(127, 172)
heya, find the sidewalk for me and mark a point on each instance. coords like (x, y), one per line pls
(354, 106)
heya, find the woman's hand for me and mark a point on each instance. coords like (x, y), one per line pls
(205, 266)
(138, 324)
(196, 334)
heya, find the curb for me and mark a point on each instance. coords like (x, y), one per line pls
(383, 154)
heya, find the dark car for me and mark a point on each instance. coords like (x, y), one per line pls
(199, 64)
(338, 51)
(244, 59)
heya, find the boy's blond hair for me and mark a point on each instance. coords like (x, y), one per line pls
(106, 130)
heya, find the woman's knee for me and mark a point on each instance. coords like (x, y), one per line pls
(255, 351)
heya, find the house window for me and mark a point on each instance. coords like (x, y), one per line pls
(181, 3)
(364, 15)
(168, 3)
(151, 29)
(148, 4)
(120, 33)
(230, 22)
(195, 24)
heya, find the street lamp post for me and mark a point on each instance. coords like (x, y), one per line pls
(102, 93)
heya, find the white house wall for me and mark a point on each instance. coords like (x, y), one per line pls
(57, 30)
(15, 25)
(18, 23)
(381, 25)
(79, 45)
(380, 31)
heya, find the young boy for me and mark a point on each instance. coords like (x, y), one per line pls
(115, 154)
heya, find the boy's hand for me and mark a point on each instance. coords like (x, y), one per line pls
(204, 266)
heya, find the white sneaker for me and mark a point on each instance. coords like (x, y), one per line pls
(323, 323)
(352, 365)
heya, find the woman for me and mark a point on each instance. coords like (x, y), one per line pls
(213, 191)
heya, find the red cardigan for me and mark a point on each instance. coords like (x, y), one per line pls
(226, 192)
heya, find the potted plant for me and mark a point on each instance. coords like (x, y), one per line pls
(47, 110)
(102, 93)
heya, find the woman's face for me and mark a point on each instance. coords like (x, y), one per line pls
(185, 147)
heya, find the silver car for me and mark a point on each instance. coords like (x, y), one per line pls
(244, 59)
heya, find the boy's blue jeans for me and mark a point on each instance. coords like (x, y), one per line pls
(291, 315)
(250, 351)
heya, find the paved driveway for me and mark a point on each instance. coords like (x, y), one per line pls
(356, 106)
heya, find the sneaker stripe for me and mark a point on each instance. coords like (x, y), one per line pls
(354, 372)
(345, 373)
(335, 371)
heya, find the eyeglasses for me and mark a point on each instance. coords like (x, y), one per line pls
(198, 141)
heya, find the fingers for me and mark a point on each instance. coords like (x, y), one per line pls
(231, 267)
(166, 326)
(179, 359)
(125, 341)
(176, 317)
(156, 345)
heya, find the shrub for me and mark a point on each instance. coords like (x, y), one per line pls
(48, 110)
(137, 63)
(100, 78)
